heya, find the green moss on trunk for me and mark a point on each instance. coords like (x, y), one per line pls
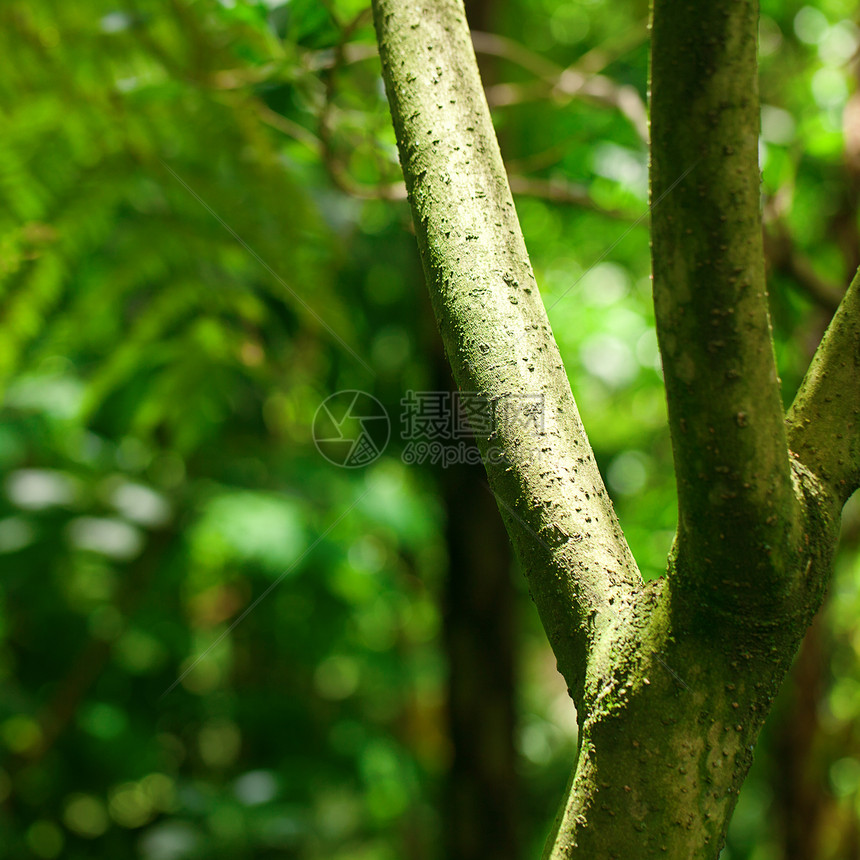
(672, 680)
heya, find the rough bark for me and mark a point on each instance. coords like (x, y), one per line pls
(482, 793)
(495, 329)
(672, 680)
(710, 301)
(824, 420)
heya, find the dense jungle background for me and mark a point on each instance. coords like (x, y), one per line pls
(214, 643)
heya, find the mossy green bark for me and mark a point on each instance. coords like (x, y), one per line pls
(494, 326)
(710, 300)
(824, 420)
(673, 679)
(674, 701)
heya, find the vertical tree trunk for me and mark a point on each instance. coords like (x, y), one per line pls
(673, 679)
(798, 794)
(482, 798)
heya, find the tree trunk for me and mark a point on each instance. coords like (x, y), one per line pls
(482, 817)
(482, 799)
(673, 679)
(798, 794)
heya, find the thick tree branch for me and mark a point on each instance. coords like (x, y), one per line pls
(824, 420)
(495, 328)
(725, 414)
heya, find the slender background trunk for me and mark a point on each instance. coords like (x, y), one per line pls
(482, 800)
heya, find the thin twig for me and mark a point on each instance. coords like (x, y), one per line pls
(783, 256)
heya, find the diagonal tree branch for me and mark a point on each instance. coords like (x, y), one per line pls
(495, 328)
(725, 413)
(824, 420)
(784, 256)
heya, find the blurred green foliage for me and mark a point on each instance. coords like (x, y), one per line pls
(214, 643)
